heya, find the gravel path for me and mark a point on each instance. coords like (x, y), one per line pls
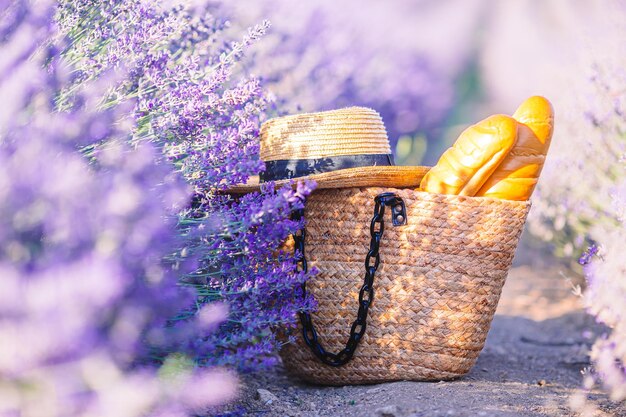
(530, 366)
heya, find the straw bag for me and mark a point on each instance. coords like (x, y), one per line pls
(408, 299)
(409, 281)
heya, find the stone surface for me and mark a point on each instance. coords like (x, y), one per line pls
(266, 397)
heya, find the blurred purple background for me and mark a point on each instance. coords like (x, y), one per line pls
(429, 67)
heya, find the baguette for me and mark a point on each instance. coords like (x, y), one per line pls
(474, 157)
(516, 177)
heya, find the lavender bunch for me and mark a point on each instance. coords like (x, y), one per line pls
(246, 265)
(194, 104)
(81, 246)
(181, 75)
(582, 200)
(604, 265)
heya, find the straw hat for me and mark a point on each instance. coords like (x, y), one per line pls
(337, 149)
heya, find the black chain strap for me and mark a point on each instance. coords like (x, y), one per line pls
(366, 294)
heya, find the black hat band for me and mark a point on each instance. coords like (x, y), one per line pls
(295, 168)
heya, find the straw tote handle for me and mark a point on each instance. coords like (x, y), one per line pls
(366, 294)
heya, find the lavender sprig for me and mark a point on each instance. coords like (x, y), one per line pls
(81, 246)
(204, 116)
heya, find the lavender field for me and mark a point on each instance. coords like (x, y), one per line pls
(133, 284)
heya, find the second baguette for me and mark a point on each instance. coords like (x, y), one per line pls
(476, 154)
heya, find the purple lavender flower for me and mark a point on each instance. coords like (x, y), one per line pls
(204, 115)
(588, 255)
(244, 264)
(587, 205)
(81, 245)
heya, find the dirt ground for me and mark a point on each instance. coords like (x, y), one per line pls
(531, 364)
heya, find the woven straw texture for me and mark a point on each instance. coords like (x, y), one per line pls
(436, 290)
(350, 131)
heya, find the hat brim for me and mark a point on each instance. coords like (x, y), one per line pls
(370, 176)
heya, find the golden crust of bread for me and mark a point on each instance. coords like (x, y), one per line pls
(474, 157)
(516, 177)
